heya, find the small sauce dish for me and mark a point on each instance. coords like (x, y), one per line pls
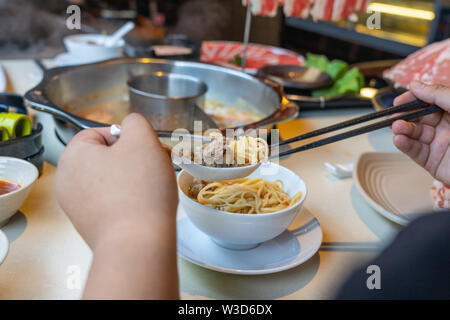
(17, 172)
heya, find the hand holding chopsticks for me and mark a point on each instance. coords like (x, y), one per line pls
(422, 107)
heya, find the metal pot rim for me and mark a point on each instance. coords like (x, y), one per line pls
(37, 99)
(204, 87)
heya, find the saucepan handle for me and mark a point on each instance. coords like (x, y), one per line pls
(287, 110)
(37, 100)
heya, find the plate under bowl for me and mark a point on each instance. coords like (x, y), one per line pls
(290, 249)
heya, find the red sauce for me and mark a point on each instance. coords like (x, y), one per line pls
(7, 187)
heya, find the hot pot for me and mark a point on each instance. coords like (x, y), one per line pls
(68, 92)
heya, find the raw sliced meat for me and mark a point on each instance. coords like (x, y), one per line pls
(269, 8)
(221, 52)
(430, 65)
(343, 9)
(297, 8)
(266, 8)
(322, 10)
(440, 194)
(361, 5)
(328, 10)
(349, 9)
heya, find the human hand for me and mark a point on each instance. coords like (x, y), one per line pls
(121, 196)
(107, 186)
(427, 139)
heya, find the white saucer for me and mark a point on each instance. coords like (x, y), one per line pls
(288, 250)
(66, 59)
(4, 245)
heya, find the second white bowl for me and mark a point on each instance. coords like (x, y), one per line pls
(243, 231)
(90, 48)
(20, 172)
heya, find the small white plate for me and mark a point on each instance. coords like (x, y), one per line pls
(290, 249)
(394, 186)
(66, 59)
(4, 245)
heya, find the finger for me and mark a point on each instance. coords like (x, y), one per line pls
(431, 120)
(433, 94)
(414, 149)
(106, 133)
(167, 149)
(417, 131)
(96, 136)
(137, 130)
(404, 98)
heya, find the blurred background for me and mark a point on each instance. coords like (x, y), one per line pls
(33, 28)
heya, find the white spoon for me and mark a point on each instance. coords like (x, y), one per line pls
(204, 172)
(214, 173)
(341, 171)
(112, 40)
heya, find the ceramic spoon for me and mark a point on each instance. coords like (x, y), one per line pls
(119, 34)
(204, 172)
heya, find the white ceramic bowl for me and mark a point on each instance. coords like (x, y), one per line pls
(243, 231)
(20, 172)
(89, 47)
(4, 246)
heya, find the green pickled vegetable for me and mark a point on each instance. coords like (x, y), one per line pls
(317, 61)
(337, 68)
(350, 83)
(345, 81)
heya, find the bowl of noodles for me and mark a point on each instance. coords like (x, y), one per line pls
(242, 213)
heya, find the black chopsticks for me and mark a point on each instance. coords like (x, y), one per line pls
(423, 109)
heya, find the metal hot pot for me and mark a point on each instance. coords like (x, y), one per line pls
(74, 94)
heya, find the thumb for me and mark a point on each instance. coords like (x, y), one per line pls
(137, 130)
(434, 94)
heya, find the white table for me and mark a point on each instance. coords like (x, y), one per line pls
(47, 254)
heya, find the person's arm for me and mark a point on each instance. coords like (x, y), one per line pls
(122, 198)
(427, 140)
(414, 266)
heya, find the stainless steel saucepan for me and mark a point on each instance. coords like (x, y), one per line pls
(170, 101)
(93, 95)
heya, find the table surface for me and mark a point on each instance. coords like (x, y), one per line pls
(49, 260)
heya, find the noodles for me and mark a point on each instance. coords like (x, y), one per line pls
(249, 150)
(247, 195)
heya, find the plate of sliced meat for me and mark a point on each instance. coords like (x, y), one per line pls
(430, 65)
(229, 53)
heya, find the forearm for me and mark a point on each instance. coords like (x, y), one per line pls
(138, 263)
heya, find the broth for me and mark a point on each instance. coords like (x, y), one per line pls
(225, 116)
